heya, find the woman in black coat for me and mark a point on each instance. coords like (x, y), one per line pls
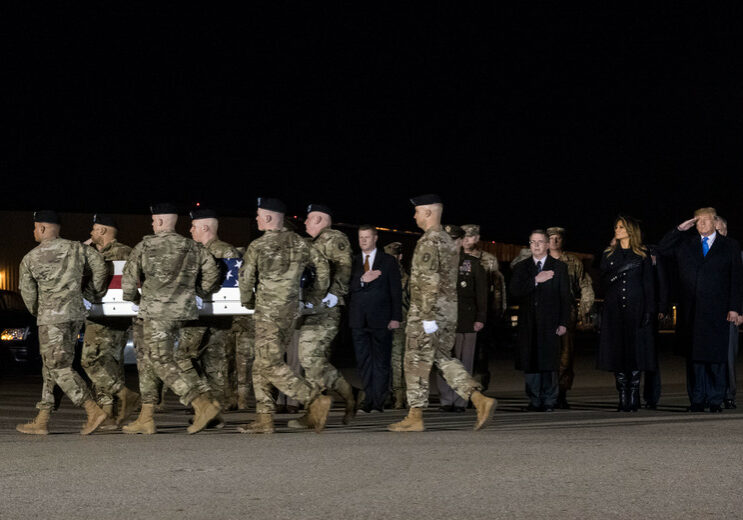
(626, 344)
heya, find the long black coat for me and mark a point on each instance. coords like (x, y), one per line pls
(472, 293)
(626, 342)
(542, 308)
(709, 287)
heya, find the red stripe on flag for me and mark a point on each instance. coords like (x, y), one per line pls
(115, 282)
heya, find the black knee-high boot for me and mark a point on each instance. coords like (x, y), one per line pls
(623, 389)
(634, 385)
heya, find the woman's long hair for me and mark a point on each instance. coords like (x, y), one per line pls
(635, 237)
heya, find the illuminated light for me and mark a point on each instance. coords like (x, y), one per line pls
(198, 203)
(13, 334)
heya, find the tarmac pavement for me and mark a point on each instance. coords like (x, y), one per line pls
(586, 462)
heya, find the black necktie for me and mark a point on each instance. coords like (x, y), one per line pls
(539, 266)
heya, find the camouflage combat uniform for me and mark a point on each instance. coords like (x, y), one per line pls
(50, 283)
(433, 296)
(581, 290)
(269, 282)
(105, 339)
(398, 336)
(171, 267)
(207, 343)
(319, 329)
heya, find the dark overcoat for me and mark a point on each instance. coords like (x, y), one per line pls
(542, 309)
(626, 342)
(709, 287)
(472, 293)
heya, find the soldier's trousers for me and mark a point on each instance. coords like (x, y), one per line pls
(292, 359)
(150, 386)
(159, 338)
(205, 350)
(567, 355)
(57, 348)
(244, 328)
(269, 368)
(397, 356)
(421, 352)
(464, 350)
(103, 357)
(315, 338)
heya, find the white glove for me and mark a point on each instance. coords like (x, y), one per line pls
(430, 326)
(135, 307)
(199, 303)
(87, 304)
(308, 305)
(330, 300)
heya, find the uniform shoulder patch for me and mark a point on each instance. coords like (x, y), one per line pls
(426, 257)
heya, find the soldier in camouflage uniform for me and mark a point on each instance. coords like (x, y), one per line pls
(171, 268)
(105, 337)
(203, 344)
(432, 320)
(581, 290)
(497, 302)
(398, 336)
(244, 330)
(269, 282)
(50, 281)
(318, 330)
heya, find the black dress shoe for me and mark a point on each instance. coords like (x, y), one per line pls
(446, 408)
(532, 408)
(695, 407)
(458, 409)
(729, 404)
(562, 404)
(715, 408)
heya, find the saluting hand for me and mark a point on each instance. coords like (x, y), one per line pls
(544, 276)
(687, 224)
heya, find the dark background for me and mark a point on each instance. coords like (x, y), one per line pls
(519, 116)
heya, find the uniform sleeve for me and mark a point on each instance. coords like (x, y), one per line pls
(99, 279)
(427, 264)
(523, 255)
(247, 277)
(481, 292)
(132, 275)
(585, 287)
(29, 288)
(566, 305)
(322, 276)
(339, 254)
(210, 273)
(500, 300)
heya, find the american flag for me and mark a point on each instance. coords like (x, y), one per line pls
(232, 266)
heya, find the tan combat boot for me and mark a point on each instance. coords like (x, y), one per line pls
(145, 423)
(318, 412)
(485, 407)
(128, 403)
(36, 427)
(110, 422)
(263, 424)
(412, 423)
(204, 411)
(346, 393)
(96, 416)
(399, 399)
(300, 424)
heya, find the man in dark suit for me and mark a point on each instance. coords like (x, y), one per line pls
(541, 286)
(721, 224)
(375, 310)
(710, 275)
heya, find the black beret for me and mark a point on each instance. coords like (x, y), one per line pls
(104, 220)
(322, 208)
(425, 200)
(164, 208)
(46, 215)
(271, 204)
(198, 213)
(453, 231)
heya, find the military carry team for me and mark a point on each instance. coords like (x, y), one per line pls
(219, 358)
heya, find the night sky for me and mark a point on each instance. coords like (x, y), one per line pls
(520, 117)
